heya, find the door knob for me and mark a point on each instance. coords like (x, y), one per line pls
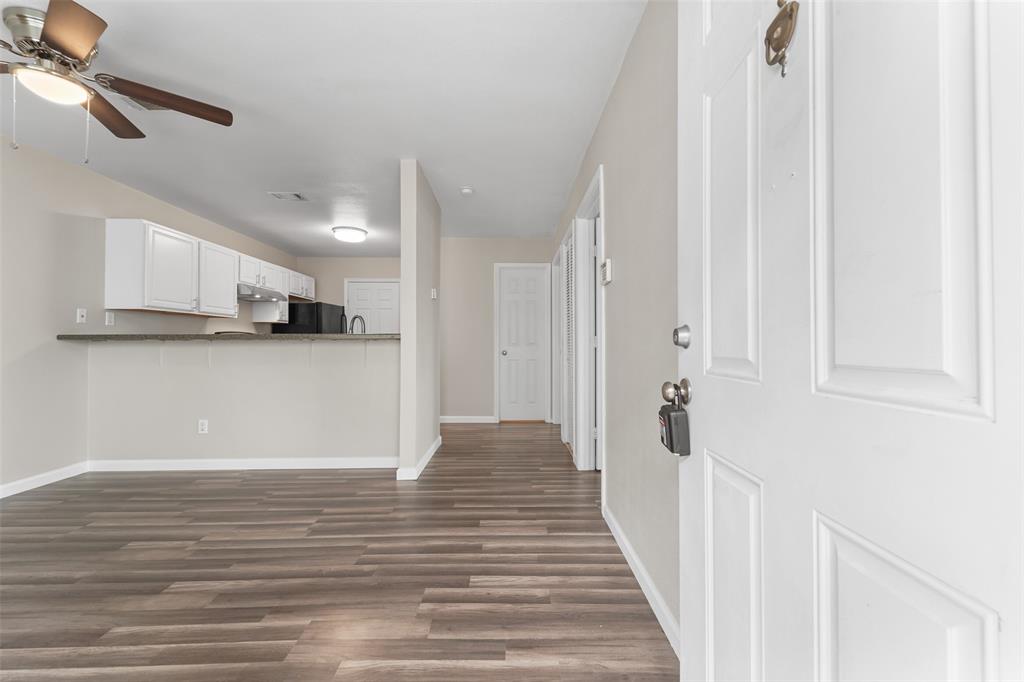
(681, 392)
(504, 352)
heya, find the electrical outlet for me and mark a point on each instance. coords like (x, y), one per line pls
(433, 294)
(81, 315)
(108, 318)
(204, 426)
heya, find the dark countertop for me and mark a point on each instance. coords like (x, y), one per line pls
(229, 336)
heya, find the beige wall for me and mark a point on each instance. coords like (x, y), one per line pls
(636, 142)
(420, 318)
(283, 400)
(330, 273)
(467, 317)
(52, 233)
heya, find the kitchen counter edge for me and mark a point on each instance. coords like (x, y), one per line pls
(229, 336)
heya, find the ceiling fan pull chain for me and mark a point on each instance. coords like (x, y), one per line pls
(88, 115)
(14, 113)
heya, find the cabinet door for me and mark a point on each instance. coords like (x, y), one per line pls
(274, 278)
(248, 270)
(309, 286)
(295, 284)
(218, 280)
(270, 311)
(172, 261)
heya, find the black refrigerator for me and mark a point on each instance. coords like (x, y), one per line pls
(311, 318)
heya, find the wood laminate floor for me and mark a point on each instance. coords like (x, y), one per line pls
(495, 565)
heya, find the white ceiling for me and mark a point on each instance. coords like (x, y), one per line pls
(328, 96)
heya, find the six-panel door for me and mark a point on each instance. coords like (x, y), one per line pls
(850, 260)
(523, 347)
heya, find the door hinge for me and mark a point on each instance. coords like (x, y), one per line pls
(593, 250)
(593, 433)
(595, 342)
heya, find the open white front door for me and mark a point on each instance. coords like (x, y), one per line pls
(850, 261)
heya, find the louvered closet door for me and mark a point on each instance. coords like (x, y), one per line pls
(569, 254)
(851, 265)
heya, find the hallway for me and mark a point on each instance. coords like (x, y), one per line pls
(495, 564)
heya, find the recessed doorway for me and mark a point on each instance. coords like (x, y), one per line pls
(522, 341)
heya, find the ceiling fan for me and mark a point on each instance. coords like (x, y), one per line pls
(61, 42)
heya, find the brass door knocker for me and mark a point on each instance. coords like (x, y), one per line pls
(780, 33)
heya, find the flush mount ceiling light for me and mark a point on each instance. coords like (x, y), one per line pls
(51, 81)
(466, 191)
(352, 235)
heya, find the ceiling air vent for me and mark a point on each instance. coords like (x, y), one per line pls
(288, 196)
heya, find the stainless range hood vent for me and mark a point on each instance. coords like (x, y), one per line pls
(248, 292)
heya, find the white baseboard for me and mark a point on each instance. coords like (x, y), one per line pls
(412, 473)
(669, 625)
(469, 420)
(235, 463)
(45, 478)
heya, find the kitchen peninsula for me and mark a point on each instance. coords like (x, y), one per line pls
(159, 401)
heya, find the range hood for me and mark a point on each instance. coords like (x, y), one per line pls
(249, 292)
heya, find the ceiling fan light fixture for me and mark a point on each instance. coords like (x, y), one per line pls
(50, 85)
(352, 235)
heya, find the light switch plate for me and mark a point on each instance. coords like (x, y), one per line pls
(81, 316)
(108, 318)
(433, 294)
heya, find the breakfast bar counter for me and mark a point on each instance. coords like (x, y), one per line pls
(228, 336)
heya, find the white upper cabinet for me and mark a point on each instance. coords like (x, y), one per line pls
(249, 270)
(171, 269)
(295, 284)
(301, 286)
(150, 266)
(218, 280)
(262, 274)
(274, 277)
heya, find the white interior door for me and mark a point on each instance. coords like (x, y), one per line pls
(850, 262)
(377, 302)
(522, 301)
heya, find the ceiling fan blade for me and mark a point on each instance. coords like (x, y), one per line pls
(112, 119)
(167, 100)
(72, 29)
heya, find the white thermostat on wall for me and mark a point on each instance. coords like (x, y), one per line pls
(606, 272)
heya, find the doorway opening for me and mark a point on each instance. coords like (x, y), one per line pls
(582, 330)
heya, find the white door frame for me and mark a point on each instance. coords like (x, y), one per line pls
(591, 208)
(555, 402)
(358, 280)
(498, 267)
